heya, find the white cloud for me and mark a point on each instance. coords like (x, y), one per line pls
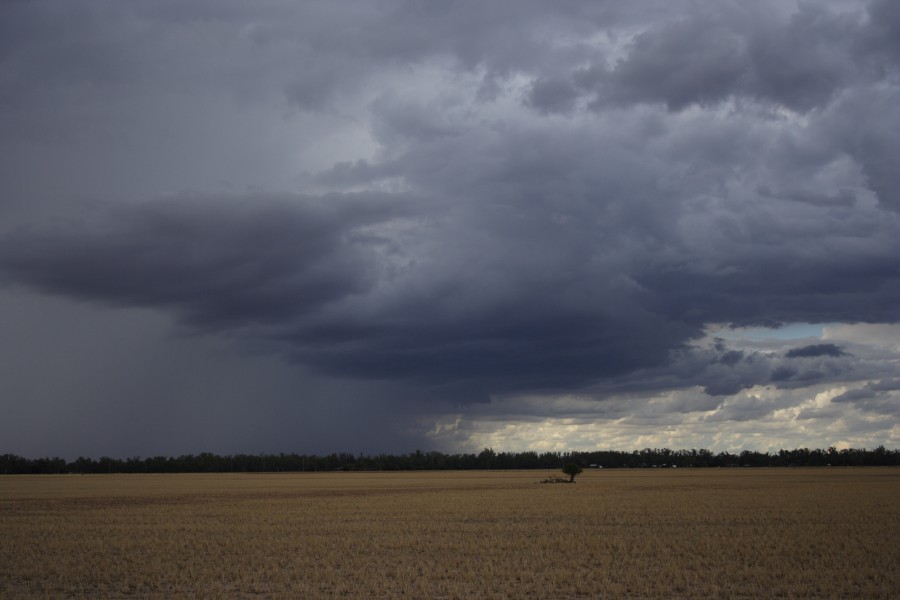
(875, 335)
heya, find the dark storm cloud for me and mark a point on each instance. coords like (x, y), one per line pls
(867, 136)
(815, 350)
(719, 51)
(355, 285)
(553, 95)
(352, 288)
(551, 198)
(219, 263)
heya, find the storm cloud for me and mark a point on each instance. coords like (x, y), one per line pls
(815, 350)
(469, 203)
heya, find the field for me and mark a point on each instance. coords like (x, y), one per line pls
(716, 533)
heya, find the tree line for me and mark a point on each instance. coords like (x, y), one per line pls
(207, 462)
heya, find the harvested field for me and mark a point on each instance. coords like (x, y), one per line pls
(717, 533)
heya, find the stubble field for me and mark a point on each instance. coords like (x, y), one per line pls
(717, 533)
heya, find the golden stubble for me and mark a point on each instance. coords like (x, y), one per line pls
(717, 533)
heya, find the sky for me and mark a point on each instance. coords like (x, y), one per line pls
(314, 227)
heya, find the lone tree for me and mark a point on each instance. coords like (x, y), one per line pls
(571, 469)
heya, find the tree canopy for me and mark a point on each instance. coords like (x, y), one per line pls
(207, 462)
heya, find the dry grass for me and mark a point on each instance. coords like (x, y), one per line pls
(729, 533)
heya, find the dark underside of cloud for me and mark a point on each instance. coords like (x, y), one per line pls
(815, 350)
(731, 166)
(380, 287)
